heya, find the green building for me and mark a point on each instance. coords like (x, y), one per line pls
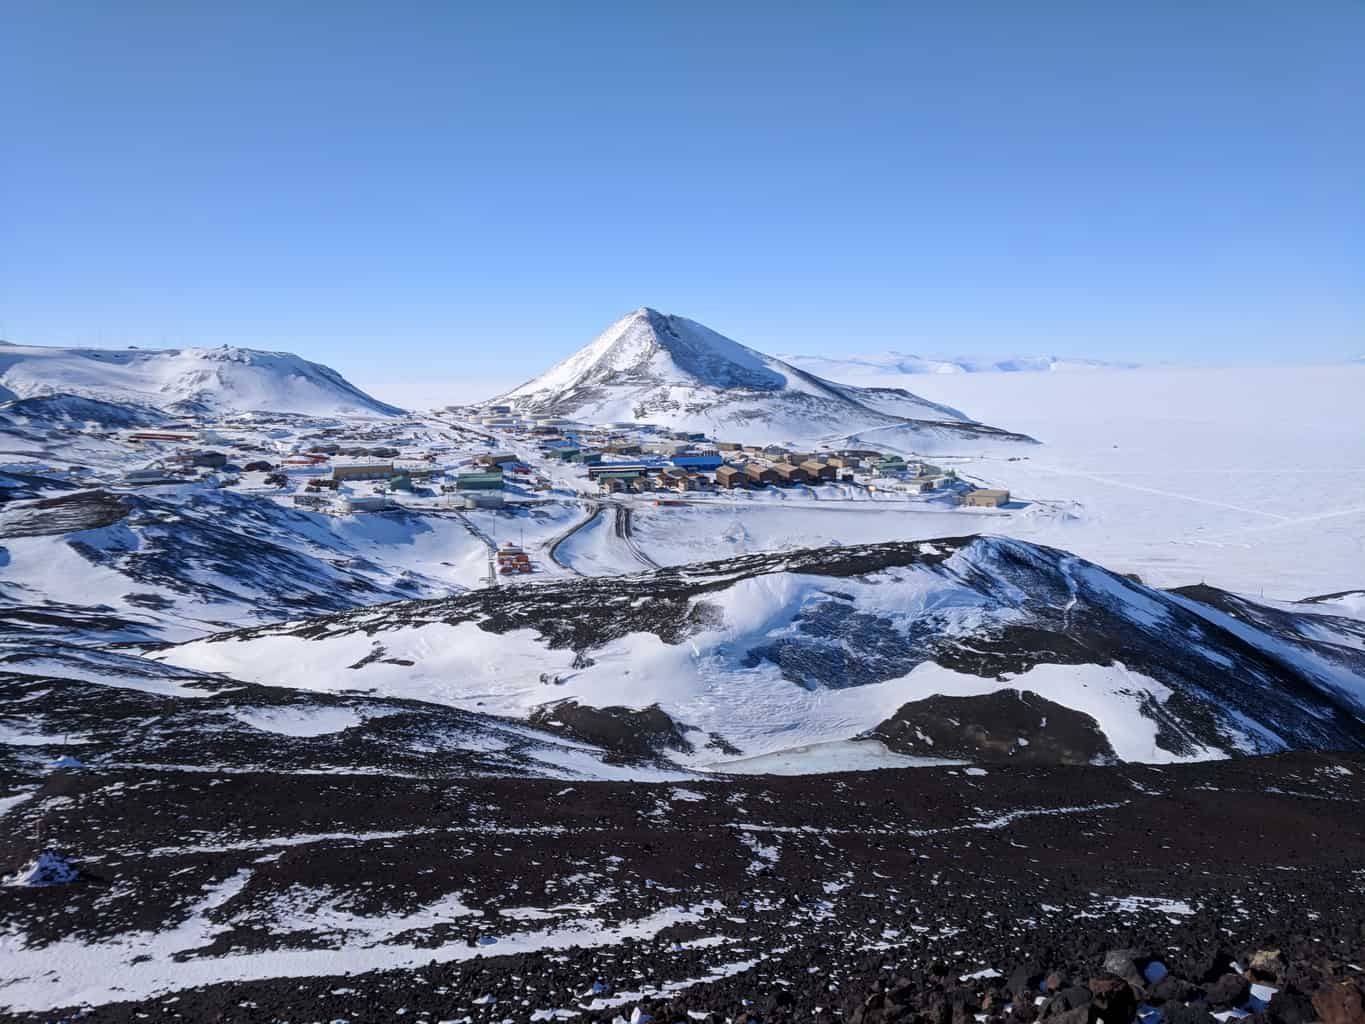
(478, 482)
(889, 465)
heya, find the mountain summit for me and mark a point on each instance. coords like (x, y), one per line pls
(654, 367)
(649, 346)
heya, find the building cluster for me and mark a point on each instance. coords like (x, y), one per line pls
(512, 558)
(370, 468)
(730, 466)
(184, 465)
(629, 457)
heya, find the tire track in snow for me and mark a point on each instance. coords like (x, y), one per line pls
(488, 543)
(1165, 494)
(552, 549)
(624, 531)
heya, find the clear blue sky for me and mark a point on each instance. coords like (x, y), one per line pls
(455, 190)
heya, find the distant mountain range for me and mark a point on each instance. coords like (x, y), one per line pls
(187, 381)
(893, 363)
(651, 367)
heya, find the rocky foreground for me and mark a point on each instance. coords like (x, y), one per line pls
(947, 895)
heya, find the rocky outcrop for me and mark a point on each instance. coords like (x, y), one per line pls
(643, 733)
(1008, 726)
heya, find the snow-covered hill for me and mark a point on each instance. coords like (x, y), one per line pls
(894, 363)
(91, 566)
(201, 381)
(765, 653)
(654, 368)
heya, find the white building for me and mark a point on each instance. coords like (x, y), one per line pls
(482, 499)
(369, 504)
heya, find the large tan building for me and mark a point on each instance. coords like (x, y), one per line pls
(731, 476)
(986, 498)
(761, 475)
(820, 470)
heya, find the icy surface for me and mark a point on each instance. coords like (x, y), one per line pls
(833, 756)
(1249, 479)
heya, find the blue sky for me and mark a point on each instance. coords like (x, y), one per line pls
(460, 192)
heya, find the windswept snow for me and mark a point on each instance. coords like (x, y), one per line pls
(139, 965)
(300, 721)
(833, 756)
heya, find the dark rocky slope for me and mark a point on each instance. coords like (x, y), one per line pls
(931, 895)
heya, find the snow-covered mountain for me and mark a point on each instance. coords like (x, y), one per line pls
(655, 368)
(1042, 656)
(201, 381)
(894, 363)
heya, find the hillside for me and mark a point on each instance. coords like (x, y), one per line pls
(193, 560)
(197, 381)
(763, 654)
(671, 371)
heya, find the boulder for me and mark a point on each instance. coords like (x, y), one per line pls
(1266, 965)
(937, 1011)
(1340, 1003)
(1290, 1006)
(1173, 989)
(1213, 967)
(1080, 1015)
(1179, 1013)
(1113, 999)
(1230, 990)
(1066, 1000)
(1124, 963)
(1025, 978)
